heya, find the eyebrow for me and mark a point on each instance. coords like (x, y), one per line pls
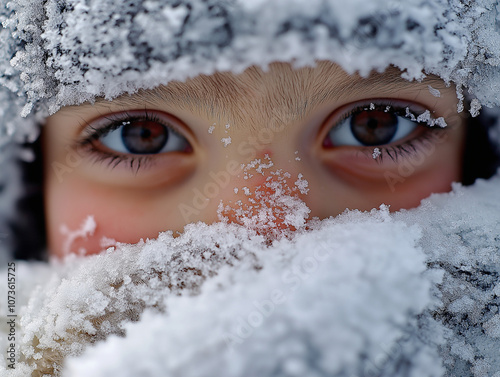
(222, 95)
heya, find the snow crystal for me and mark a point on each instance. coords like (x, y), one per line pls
(427, 118)
(302, 184)
(273, 207)
(440, 122)
(106, 242)
(376, 153)
(475, 106)
(226, 141)
(435, 92)
(409, 114)
(258, 165)
(87, 228)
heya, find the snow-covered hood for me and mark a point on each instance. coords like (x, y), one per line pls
(56, 53)
(374, 294)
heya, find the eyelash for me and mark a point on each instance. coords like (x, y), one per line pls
(113, 159)
(401, 150)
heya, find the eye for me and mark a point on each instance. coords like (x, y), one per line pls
(370, 127)
(142, 135)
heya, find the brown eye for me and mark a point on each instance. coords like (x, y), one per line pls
(374, 127)
(143, 136)
(370, 128)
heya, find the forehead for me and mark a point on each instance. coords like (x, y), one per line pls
(261, 93)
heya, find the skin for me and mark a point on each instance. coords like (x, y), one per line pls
(280, 115)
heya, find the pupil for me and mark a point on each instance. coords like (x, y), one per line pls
(145, 133)
(374, 127)
(144, 137)
(372, 123)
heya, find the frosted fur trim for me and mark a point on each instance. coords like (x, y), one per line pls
(59, 53)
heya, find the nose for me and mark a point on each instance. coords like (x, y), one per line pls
(272, 204)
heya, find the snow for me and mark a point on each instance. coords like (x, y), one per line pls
(119, 49)
(435, 92)
(226, 141)
(86, 229)
(358, 292)
(273, 298)
(475, 106)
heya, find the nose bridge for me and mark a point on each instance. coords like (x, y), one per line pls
(258, 186)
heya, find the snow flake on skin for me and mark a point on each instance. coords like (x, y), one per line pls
(226, 141)
(426, 117)
(272, 207)
(258, 165)
(106, 242)
(87, 228)
(433, 91)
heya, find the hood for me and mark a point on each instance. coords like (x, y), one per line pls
(57, 53)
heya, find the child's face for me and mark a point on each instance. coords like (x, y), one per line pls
(163, 158)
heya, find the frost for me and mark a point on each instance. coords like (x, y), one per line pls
(86, 229)
(440, 122)
(363, 291)
(211, 129)
(410, 115)
(258, 165)
(270, 295)
(106, 242)
(302, 184)
(427, 118)
(273, 207)
(435, 92)
(376, 153)
(56, 54)
(226, 141)
(475, 106)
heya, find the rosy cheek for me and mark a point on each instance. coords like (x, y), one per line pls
(72, 207)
